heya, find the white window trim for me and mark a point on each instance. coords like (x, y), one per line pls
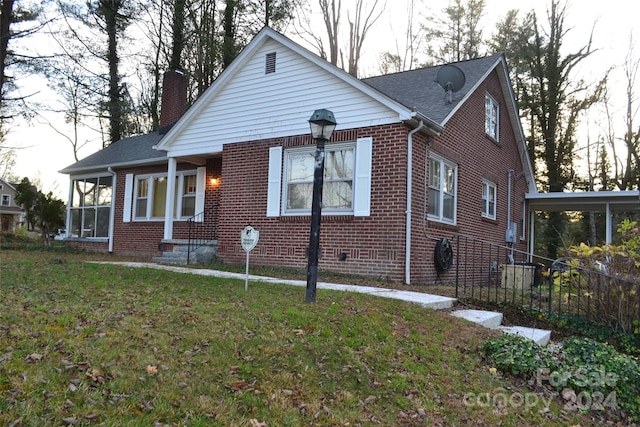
(361, 181)
(178, 197)
(97, 207)
(8, 198)
(439, 218)
(485, 202)
(312, 151)
(492, 105)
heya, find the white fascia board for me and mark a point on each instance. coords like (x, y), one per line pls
(103, 168)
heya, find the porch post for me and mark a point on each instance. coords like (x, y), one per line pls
(532, 230)
(69, 204)
(608, 231)
(171, 196)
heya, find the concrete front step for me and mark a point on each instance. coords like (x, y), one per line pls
(539, 336)
(488, 319)
(493, 320)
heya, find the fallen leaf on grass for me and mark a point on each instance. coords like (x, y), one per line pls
(96, 375)
(302, 331)
(238, 386)
(34, 357)
(370, 399)
(70, 421)
(256, 423)
(152, 370)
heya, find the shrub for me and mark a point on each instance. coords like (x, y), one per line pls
(599, 376)
(515, 355)
(607, 278)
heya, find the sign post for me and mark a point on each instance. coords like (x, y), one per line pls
(248, 240)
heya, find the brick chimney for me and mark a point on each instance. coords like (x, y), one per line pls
(174, 98)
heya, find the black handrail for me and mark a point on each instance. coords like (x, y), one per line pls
(201, 230)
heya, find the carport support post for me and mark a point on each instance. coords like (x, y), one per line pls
(316, 215)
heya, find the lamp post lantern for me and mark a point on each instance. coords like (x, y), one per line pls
(322, 123)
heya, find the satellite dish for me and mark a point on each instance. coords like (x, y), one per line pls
(451, 78)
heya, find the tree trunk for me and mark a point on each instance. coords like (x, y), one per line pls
(6, 13)
(228, 44)
(109, 9)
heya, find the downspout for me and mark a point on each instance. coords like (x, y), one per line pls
(509, 229)
(112, 215)
(407, 244)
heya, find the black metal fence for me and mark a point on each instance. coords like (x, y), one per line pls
(561, 288)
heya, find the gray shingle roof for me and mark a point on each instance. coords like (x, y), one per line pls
(415, 89)
(418, 89)
(134, 150)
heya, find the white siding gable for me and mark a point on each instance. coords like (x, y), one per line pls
(251, 104)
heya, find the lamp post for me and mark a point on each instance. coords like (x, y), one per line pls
(322, 125)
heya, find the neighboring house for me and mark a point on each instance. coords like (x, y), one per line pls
(408, 165)
(11, 214)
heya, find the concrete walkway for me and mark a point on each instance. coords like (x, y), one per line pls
(435, 302)
(487, 319)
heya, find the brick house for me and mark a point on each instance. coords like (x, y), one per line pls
(409, 164)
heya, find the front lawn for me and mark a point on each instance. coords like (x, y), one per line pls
(90, 344)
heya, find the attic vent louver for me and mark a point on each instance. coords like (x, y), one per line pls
(270, 63)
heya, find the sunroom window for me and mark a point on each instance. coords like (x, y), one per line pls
(90, 207)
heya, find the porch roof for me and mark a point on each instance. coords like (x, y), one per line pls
(585, 201)
(132, 151)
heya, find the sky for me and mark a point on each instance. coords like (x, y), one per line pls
(43, 152)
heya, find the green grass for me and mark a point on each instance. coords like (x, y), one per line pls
(99, 344)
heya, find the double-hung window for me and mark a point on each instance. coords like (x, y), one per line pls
(188, 195)
(346, 179)
(488, 199)
(150, 196)
(443, 177)
(6, 200)
(492, 113)
(339, 167)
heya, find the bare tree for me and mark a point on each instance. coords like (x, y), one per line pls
(331, 17)
(328, 44)
(553, 101)
(405, 56)
(16, 23)
(631, 177)
(458, 35)
(358, 29)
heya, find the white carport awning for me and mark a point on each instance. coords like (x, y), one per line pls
(586, 201)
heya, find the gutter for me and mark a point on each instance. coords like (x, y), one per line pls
(407, 245)
(433, 128)
(112, 215)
